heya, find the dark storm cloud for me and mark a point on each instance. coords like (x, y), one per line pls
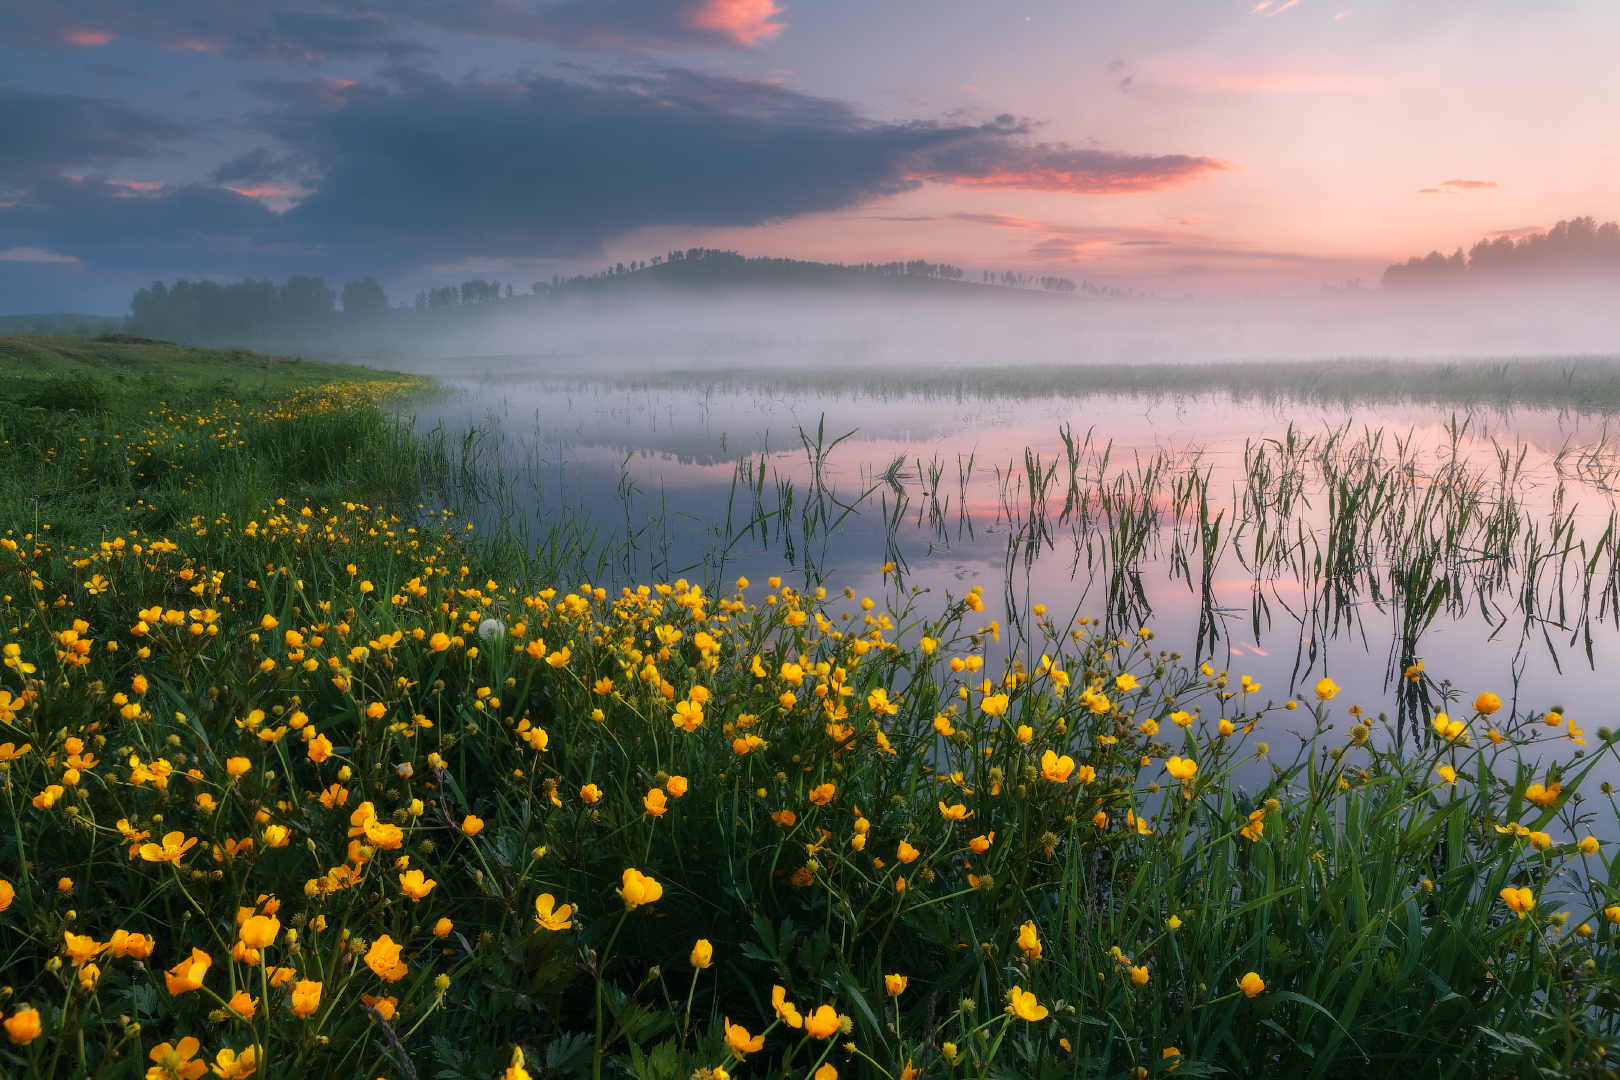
(423, 170)
(312, 30)
(546, 164)
(46, 133)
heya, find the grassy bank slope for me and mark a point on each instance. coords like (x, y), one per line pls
(103, 435)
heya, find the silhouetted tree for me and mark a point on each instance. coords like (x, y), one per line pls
(364, 300)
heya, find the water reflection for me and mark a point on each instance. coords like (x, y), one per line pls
(1280, 540)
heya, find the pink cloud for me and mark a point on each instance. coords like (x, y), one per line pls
(1515, 234)
(258, 192)
(744, 22)
(80, 36)
(1190, 219)
(1059, 167)
(194, 44)
(1469, 185)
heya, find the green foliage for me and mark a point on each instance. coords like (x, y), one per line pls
(830, 790)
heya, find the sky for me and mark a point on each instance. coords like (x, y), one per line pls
(1175, 146)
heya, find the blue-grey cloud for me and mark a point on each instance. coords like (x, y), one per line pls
(420, 170)
(42, 134)
(313, 30)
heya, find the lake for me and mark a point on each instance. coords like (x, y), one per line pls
(1280, 539)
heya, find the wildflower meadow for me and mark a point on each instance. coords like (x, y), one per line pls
(308, 782)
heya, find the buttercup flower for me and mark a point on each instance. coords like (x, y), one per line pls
(740, 1042)
(638, 889)
(788, 1013)
(894, 985)
(1025, 1005)
(822, 1023)
(23, 1026)
(414, 885)
(175, 1062)
(1251, 984)
(306, 998)
(188, 974)
(383, 958)
(174, 846)
(1519, 901)
(1056, 769)
(550, 917)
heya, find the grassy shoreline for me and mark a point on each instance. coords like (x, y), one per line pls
(301, 776)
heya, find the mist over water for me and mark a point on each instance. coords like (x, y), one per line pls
(954, 324)
(1268, 528)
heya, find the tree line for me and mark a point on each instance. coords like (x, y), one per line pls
(1577, 247)
(305, 310)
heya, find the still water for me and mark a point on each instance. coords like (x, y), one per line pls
(1284, 542)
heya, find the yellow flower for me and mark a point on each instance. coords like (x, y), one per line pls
(1139, 976)
(1487, 703)
(1519, 901)
(788, 1013)
(638, 889)
(1325, 689)
(238, 767)
(472, 825)
(23, 1027)
(1029, 941)
(688, 716)
(822, 794)
(894, 984)
(1252, 984)
(1125, 683)
(1173, 922)
(88, 976)
(1541, 841)
(306, 997)
(1025, 1006)
(822, 1023)
(1612, 914)
(385, 1006)
(1056, 769)
(826, 1072)
(1181, 768)
(702, 954)
(174, 1062)
(550, 917)
(1588, 845)
(439, 642)
(958, 812)
(189, 973)
(1542, 796)
(243, 1005)
(907, 853)
(259, 931)
(413, 885)
(383, 958)
(994, 705)
(81, 947)
(442, 928)
(230, 1065)
(740, 1042)
(677, 786)
(654, 801)
(1448, 774)
(175, 845)
(981, 844)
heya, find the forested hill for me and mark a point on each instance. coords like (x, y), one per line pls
(1574, 249)
(305, 314)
